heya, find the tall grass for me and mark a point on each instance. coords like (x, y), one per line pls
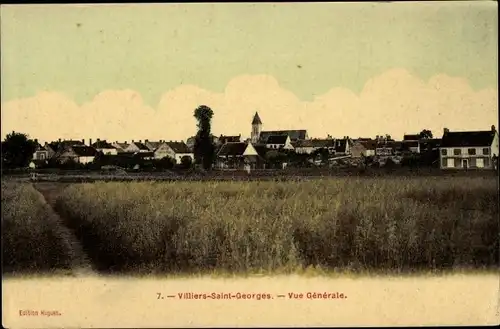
(31, 239)
(396, 224)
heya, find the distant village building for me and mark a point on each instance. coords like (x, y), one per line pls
(135, 147)
(238, 155)
(78, 153)
(229, 139)
(260, 137)
(120, 146)
(279, 142)
(469, 149)
(310, 145)
(104, 147)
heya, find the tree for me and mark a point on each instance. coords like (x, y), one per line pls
(186, 162)
(425, 134)
(204, 148)
(17, 150)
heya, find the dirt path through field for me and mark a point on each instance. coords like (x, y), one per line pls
(81, 263)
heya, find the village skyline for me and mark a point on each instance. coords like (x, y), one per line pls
(358, 70)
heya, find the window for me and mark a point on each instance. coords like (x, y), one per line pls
(472, 162)
(471, 151)
(486, 151)
(457, 152)
(458, 163)
(444, 152)
(444, 163)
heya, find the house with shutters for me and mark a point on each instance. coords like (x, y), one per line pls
(469, 149)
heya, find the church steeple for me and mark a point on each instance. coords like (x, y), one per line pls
(256, 119)
(256, 128)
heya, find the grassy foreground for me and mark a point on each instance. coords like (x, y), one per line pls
(31, 239)
(393, 224)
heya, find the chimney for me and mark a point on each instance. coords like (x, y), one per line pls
(36, 140)
(133, 141)
(446, 130)
(59, 140)
(83, 141)
(493, 129)
(140, 141)
(98, 140)
(90, 141)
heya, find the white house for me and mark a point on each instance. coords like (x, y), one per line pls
(173, 149)
(469, 149)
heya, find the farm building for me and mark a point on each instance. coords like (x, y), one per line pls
(469, 149)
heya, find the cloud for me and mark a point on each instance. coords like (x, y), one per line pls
(395, 102)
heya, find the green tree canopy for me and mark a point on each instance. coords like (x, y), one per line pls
(17, 150)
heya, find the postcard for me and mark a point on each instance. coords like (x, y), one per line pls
(250, 164)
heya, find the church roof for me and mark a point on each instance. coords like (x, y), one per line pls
(256, 119)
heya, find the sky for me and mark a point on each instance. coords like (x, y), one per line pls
(122, 72)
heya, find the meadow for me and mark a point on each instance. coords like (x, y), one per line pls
(32, 238)
(388, 224)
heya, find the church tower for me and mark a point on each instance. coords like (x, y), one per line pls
(256, 128)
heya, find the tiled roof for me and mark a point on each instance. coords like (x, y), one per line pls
(229, 139)
(234, 149)
(293, 134)
(153, 145)
(64, 144)
(411, 137)
(468, 138)
(141, 146)
(102, 145)
(122, 145)
(276, 139)
(261, 149)
(178, 147)
(84, 151)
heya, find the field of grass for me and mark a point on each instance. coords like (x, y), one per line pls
(390, 224)
(31, 237)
